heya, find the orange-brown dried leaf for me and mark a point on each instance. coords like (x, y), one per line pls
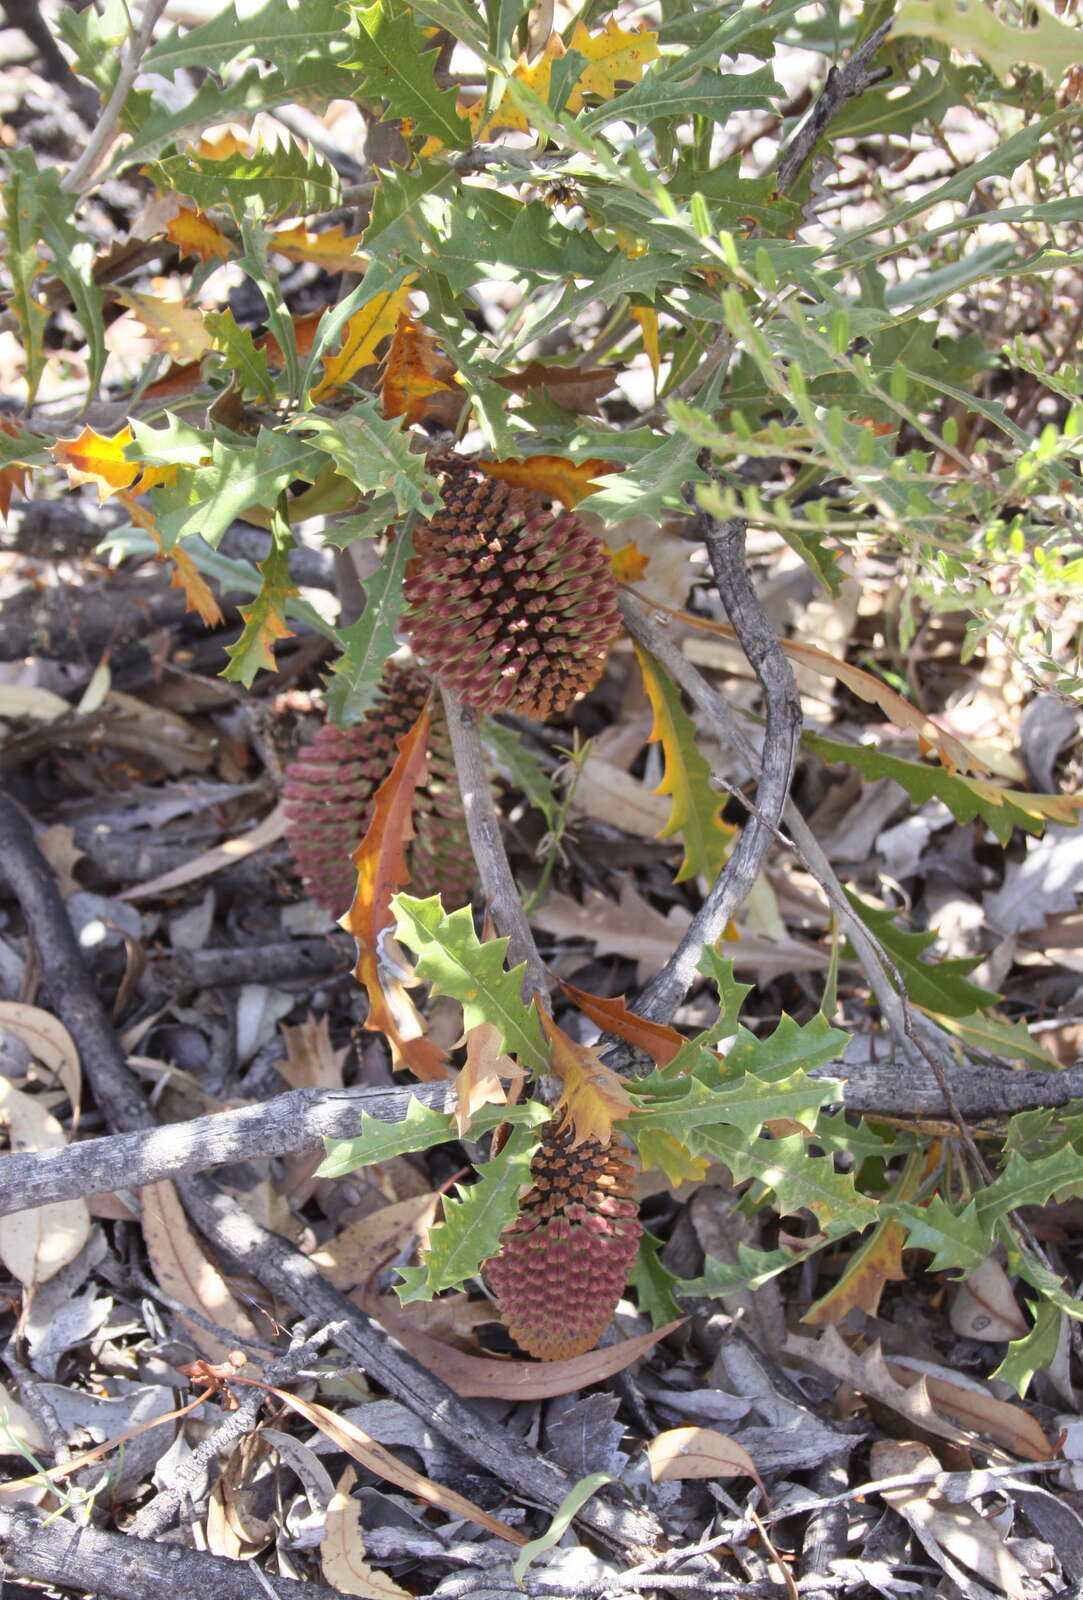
(223, 145)
(196, 235)
(13, 478)
(99, 459)
(334, 250)
(655, 1039)
(478, 1083)
(414, 371)
(594, 1097)
(628, 564)
(576, 389)
(380, 862)
(554, 477)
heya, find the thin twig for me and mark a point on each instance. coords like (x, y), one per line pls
(843, 83)
(81, 175)
(725, 543)
(487, 843)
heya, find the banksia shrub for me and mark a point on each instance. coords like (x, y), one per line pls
(330, 786)
(565, 1259)
(512, 607)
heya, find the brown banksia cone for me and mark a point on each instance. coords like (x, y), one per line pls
(565, 1260)
(329, 788)
(511, 606)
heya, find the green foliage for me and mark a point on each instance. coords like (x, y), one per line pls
(275, 181)
(453, 959)
(697, 806)
(367, 643)
(240, 474)
(396, 65)
(941, 986)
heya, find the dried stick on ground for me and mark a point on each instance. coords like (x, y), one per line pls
(725, 543)
(302, 1118)
(266, 1256)
(298, 1120)
(91, 1562)
(487, 843)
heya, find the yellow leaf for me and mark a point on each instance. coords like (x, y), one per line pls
(617, 55)
(647, 318)
(196, 235)
(177, 329)
(628, 564)
(366, 329)
(535, 75)
(219, 147)
(342, 1549)
(594, 1097)
(94, 458)
(334, 250)
(552, 476)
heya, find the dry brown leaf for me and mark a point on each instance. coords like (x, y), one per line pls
(35, 1244)
(50, 1044)
(182, 1269)
(955, 1530)
(352, 1256)
(474, 1377)
(698, 1453)
(27, 700)
(981, 1414)
(363, 1448)
(269, 831)
(575, 389)
(478, 1083)
(342, 1549)
(57, 845)
(984, 1306)
(594, 1096)
(311, 1062)
(656, 1039)
(605, 793)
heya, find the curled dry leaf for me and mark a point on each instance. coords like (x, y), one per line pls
(363, 1247)
(948, 1532)
(594, 1096)
(184, 1271)
(342, 1549)
(985, 1307)
(311, 1061)
(479, 1082)
(265, 833)
(698, 1453)
(34, 1245)
(656, 1039)
(49, 1042)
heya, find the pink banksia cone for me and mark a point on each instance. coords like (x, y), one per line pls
(565, 1259)
(514, 608)
(329, 790)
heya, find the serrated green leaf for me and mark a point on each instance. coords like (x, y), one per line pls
(790, 1046)
(995, 1034)
(453, 959)
(280, 32)
(374, 453)
(974, 28)
(24, 448)
(96, 37)
(207, 499)
(246, 364)
(397, 64)
(1035, 1352)
(731, 994)
(473, 1221)
(957, 1240)
(940, 986)
(697, 807)
(52, 213)
(653, 1283)
(265, 619)
(421, 1128)
(751, 1270)
(522, 767)
(663, 92)
(25, 262)
(256, 264)
(1030, 1183)
(654, 480)
(279, 179)
(1002, 810)
(368, 642)
(798, 1179)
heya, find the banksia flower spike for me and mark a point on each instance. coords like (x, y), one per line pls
(512, 607)
(329, 789)
(565, 1259)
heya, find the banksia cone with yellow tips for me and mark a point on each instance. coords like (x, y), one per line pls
(329, 790)
(565, 1259)
(514, 608)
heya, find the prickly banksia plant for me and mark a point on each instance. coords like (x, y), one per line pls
(329, 790)
(565, 1259)
(511, 606)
